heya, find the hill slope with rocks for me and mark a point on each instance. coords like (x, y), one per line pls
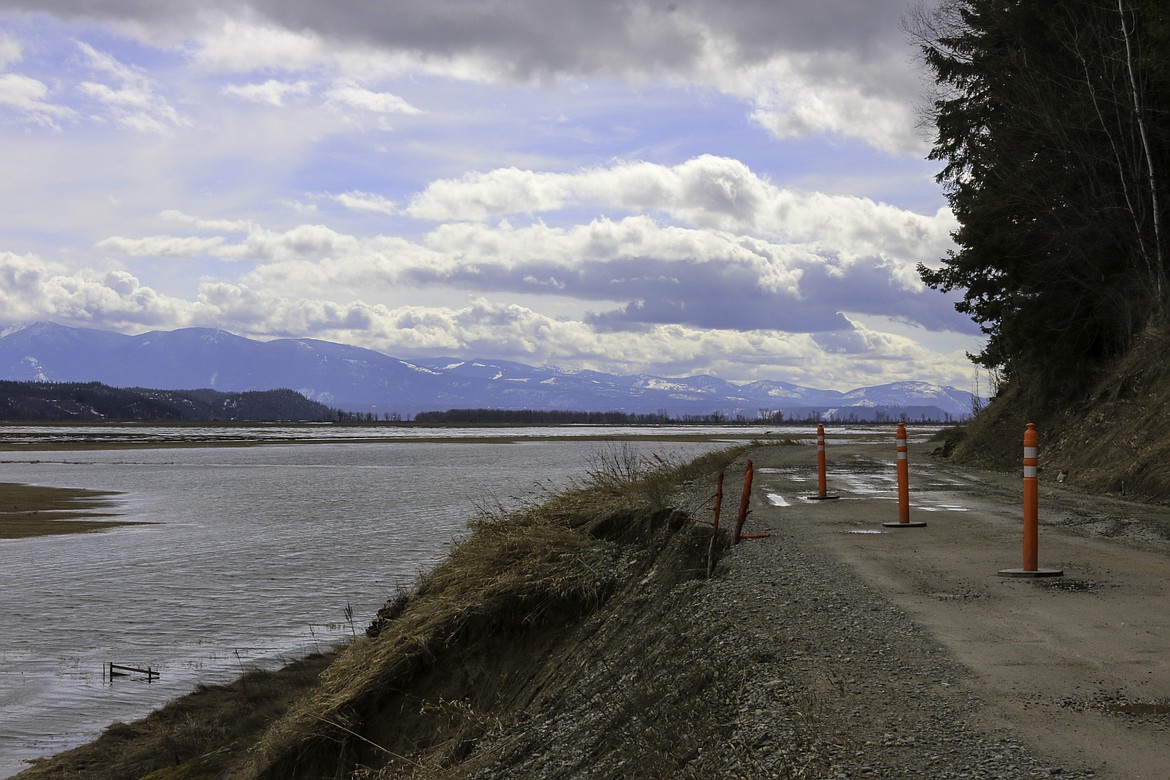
(1113, 439)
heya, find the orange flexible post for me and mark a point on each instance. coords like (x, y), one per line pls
(1031, 498)
(903, 476)
(1031, 566)
(903, 483)
(743, 502)
(822, 482)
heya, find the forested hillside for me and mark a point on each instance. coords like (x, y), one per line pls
(92, 401)
(1053, 130)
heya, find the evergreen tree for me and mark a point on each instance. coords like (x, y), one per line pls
(1053, 134)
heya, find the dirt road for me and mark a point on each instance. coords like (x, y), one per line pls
(1077, 667)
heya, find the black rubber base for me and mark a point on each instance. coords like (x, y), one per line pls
(1036, 573)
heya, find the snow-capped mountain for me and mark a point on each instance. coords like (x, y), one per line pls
(356, 379)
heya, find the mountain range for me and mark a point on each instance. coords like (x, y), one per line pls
(365, 381)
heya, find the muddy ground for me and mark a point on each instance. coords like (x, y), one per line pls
(1077, 667)
(34, 510)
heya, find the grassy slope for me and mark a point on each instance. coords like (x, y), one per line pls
(1117, 440)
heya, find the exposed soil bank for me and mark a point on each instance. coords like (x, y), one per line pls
(582, 639)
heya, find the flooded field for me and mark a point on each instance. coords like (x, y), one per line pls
(256, 555)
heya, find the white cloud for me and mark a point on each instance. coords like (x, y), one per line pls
(35, 289)
(706, 192)
(315, 242)
(133, 103)
(29, 97)
(10, 50)
(243, 46)
(684, 262)
(31, 288)
(271, 92)
(212, 225)
(352, 96)
(160, 246)
(364, 201)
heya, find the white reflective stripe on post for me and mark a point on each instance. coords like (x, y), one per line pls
(1029, 472)
(1031, 452)
(901, 455)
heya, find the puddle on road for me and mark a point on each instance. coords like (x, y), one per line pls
(1136, 708)
(864, 479)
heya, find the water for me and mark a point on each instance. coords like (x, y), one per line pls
(256, 554)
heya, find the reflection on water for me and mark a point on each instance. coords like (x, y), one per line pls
(257, 553)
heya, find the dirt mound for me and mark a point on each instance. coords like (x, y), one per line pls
(1115, 440)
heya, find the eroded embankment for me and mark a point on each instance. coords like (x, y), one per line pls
(532, 608)
(509, 625)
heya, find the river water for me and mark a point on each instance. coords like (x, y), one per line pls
(254, 556)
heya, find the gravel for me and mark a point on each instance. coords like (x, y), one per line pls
(782, 665)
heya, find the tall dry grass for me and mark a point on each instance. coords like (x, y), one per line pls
(544, 564)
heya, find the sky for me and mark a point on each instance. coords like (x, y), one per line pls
(682, 187)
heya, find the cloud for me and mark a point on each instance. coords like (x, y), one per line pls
(634, 271)
(707, 192)
(32, 288)
(364, 201)
(351, 96)
(28, 97)
(242, 46)
(10, 50)
(133, 102)
(160, 246)
(271, 92)
(35, 289)
(312, 241)
(213, 225)
(836, 66)
(620, 184)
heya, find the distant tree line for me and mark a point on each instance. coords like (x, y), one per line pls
(1053, 128)
(93, 401)
(880, 414)
(546, 417)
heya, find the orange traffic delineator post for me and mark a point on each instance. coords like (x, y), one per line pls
(718, 499)
(903, 484)
(1031, 511)
(741, 518)
(822, 482)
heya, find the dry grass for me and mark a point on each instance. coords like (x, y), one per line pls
(1116, 441)
(418, 693)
